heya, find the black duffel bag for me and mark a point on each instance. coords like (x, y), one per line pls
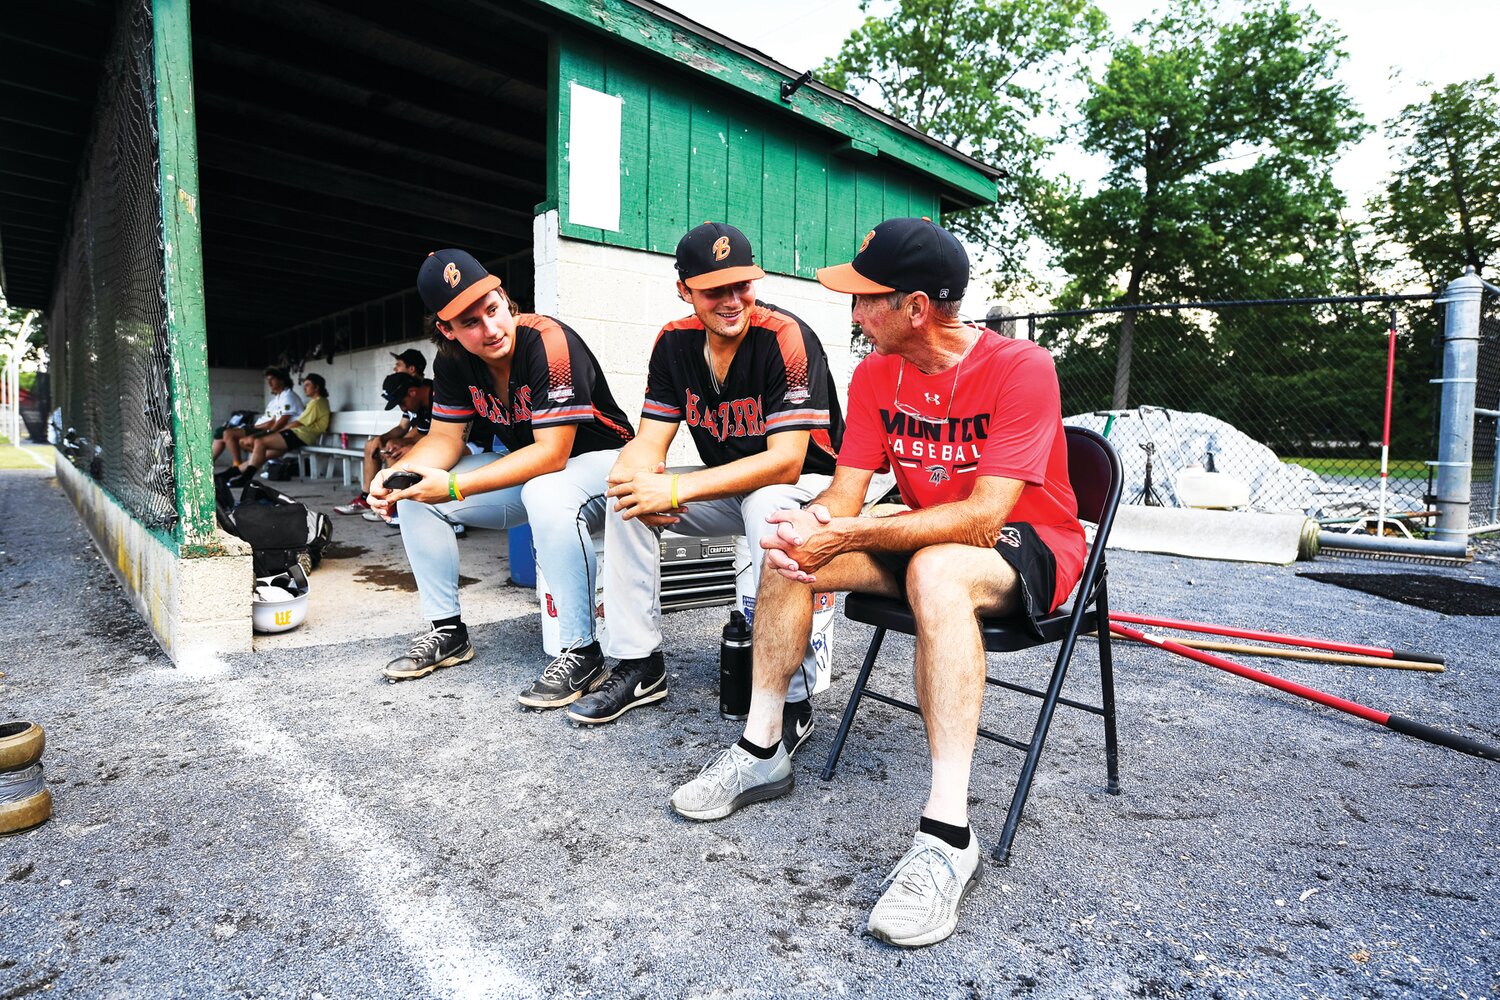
(277, 527)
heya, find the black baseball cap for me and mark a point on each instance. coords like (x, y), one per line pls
(715, 254)
(450, 281)
(413, 357)
(904, 255)
(396, 386)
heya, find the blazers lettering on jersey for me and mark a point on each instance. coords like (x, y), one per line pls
(732, 418)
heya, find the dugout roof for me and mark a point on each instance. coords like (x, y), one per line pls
(324, 129)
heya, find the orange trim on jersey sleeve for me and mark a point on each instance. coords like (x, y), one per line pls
(555, 345)
(789, 339)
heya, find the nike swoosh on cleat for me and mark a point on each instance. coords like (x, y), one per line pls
(640, 690)
(802, 728)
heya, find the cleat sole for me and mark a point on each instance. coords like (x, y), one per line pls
(462, 656)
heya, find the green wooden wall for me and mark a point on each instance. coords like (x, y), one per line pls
(692, 152)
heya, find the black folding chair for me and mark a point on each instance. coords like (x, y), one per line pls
(1094, 470)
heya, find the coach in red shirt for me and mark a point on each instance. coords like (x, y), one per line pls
(971, 423)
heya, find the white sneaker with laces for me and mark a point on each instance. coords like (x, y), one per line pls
(923, 892)
(732, 779)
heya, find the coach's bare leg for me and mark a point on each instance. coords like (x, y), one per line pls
(948, 587)
(783, 621)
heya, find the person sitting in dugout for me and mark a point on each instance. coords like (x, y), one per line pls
(971, 422)
(279, 411)
(752, 383)
(309, 425)
(409, 368)
(534, 381)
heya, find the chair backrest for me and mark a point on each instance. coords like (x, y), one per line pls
(1094, 470)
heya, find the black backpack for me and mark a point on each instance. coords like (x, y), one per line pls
(278, 528)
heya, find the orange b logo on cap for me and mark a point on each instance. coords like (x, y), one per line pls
(451, 275)
(868, 237)
(721, 248)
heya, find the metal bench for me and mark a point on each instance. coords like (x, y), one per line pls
(344, 427)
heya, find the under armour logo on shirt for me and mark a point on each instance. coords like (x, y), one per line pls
(933, 398)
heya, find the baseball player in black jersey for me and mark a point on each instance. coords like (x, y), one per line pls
(540, 390)
(752, 384)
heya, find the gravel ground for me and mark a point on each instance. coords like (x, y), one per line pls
(286, 825)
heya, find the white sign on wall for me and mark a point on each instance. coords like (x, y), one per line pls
(593, 158)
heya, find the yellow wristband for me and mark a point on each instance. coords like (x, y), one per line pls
(674, 492)
(453, 490)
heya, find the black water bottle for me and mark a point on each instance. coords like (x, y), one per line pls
(735, 669)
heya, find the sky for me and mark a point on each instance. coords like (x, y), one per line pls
(1394, 47)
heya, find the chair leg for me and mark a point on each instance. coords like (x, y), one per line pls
(853, 706)
(1107, 691)
(1001, 853)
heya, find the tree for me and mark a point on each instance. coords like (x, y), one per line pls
(1220, 139)
(978, 75)
(1442, 204)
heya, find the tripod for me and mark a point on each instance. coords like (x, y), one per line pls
(1147, 494)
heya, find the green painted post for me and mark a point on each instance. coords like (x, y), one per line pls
(187, 331)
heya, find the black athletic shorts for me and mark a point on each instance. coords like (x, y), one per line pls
(293, 442)
(1019, 545)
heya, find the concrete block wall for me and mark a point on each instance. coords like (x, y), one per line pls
(231, 389)
(618, 299)
(196, 603)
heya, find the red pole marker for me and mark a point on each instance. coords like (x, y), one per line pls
(1395, 723)
(1285, 640)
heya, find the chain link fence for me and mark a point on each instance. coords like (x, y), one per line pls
(108, 324)
(1484, 508)
(1284, 399)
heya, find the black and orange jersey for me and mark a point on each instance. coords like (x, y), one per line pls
(554, 380)
(778, 381)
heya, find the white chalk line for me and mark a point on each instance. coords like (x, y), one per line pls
(430, 926)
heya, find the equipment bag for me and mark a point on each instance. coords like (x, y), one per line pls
(277, 527)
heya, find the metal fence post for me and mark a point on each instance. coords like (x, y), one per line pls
(1456, 427)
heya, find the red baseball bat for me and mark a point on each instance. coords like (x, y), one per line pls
(1395, 723)
(1285, 640)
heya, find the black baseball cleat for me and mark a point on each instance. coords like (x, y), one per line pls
(442, 647)
(632, 683)
(796, 724)
(566, 678)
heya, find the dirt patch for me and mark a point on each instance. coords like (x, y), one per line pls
(1442, 594)
(390, 578)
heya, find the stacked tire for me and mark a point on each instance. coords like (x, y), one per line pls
(24, 799)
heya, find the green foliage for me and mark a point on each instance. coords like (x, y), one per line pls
(1220, 138)
(976, 74)
(1442, 203)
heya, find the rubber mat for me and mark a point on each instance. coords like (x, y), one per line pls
(1429, 592)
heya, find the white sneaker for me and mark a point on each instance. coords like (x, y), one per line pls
(371, 515)
(923, 892)
(732, 779)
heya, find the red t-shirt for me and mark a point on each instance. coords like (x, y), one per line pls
(1005, 419)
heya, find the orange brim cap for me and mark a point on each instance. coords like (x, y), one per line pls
(844, 278)
(724, 276)
(468, 297)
